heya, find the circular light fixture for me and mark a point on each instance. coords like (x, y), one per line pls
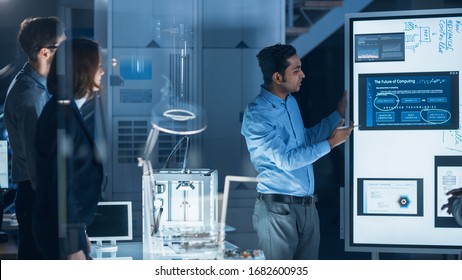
(179, 114)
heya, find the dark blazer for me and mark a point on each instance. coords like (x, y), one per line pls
(80, 168)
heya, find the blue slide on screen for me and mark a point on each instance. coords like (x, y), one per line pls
(402, 101)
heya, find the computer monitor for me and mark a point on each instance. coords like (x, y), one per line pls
(112, 223)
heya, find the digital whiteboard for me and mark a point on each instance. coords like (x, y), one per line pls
(403, 74)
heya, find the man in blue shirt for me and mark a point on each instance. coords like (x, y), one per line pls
(27, 95)
(283, 152)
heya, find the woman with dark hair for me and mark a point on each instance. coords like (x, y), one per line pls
(69, 168)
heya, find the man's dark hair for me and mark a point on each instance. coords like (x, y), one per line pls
(274, 59)
(39, 32)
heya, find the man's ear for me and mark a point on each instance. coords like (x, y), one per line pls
(44, 53)
(277, 78)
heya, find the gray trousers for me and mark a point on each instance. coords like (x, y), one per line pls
(287, 231)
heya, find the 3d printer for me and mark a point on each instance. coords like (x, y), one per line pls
(180, 214)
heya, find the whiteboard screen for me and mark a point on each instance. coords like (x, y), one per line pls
(403, 75)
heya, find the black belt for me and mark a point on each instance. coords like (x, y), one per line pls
(288, 199)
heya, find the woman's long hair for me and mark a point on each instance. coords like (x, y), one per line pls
(85, 64)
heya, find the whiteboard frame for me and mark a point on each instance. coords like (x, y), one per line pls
(347, 228)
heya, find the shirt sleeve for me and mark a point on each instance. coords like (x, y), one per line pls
(323, 130)
(267, 146)
(28, 127)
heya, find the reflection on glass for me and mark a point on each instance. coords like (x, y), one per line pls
(174, 115)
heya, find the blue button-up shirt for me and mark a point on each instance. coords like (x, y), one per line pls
(281, 148)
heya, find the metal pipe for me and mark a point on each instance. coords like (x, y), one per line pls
(290, 13)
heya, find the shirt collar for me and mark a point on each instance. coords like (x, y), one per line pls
(79, 102)
(273, 99)
(28, 70)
